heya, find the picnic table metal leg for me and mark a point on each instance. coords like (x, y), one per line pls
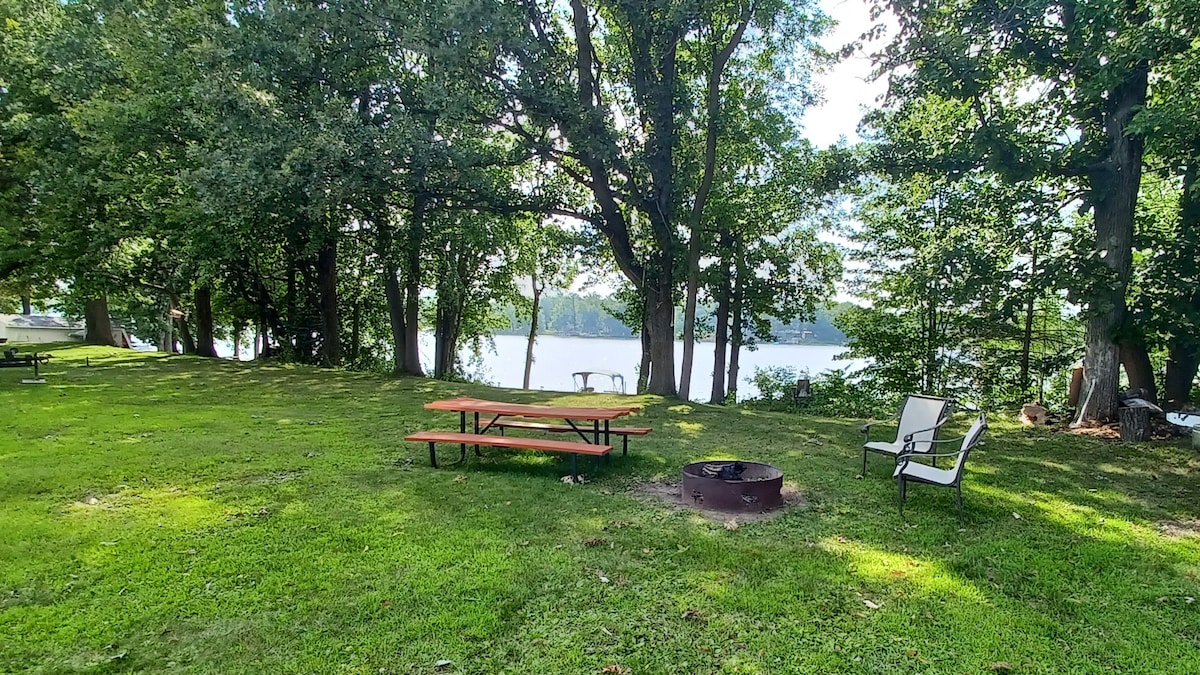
(607, 441)
(477, 453)
(625, 445)
(575, 466)
(595, 432)
(462, 429)
(433, 454)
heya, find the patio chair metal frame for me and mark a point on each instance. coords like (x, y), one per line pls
(968, 443)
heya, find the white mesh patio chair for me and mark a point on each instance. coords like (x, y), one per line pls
(908, 470)
(920, 418)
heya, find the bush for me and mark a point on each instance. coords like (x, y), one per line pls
(834, 393)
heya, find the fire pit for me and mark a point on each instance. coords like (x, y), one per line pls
(732, 486)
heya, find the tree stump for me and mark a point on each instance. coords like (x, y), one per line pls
(1135, 424)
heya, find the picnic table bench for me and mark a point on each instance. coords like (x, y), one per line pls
(13, 360)
(599, 427)
(623, 432)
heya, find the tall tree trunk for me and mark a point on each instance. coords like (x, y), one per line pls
(735, 340)
(412, 289)
(204, 322)
(721, 340)
(26, 305)
(98, 325)
(1113, 191)
(696, 221)
(1136, 360)
(395, 306)
(533, 328)
(644, 364)
(185, 336)
(662, 336)
(327, 274)
(356, 333)
(1183, 361)
(181, 325)
(1183, 346)
(689, 315)
(239, 329)
(1027, 332)
(292, 320)
(412, 317)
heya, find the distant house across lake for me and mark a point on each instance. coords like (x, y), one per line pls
(41, 329)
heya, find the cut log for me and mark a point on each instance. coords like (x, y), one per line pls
(1135, 424)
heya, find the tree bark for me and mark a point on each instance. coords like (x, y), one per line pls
(533, 328)
(696, 221)
(98, 325)
(644, 365)
(1183, 360)
(1135, 424)
(204, 322)
(1183, 345)
(1138, 369)
(356, 333)
(26, 305)
(735, 340)
(185, 336)
(1027, 332)
(1113, 191)
(662, 336)
(395, 306)
(331, 341)
(721, 343)
(238, 329)
(412, 289)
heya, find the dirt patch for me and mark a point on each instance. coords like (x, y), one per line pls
(1179, 528)
(668, 494)
(1160, 430)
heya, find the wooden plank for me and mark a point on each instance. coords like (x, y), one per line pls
(563, 428)
(525, 410)
(508, 442)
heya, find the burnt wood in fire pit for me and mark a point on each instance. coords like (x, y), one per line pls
(722, 487)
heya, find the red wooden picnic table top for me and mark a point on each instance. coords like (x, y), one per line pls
(466, 404)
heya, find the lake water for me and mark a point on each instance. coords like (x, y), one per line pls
(555, 358)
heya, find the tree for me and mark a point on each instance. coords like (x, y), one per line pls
(1090, 62)
(606, 94)
(549, 255)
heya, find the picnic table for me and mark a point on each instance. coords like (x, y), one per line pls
(584, 422)
(14, 360)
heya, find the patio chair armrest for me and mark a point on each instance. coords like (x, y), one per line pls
(913, 453)
(866, 428)
(909, 436)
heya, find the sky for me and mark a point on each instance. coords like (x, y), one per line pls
(847, 86)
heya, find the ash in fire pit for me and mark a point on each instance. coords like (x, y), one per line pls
(723, 470)
(732, 486)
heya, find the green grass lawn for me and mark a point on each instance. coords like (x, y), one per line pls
(177, 515)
